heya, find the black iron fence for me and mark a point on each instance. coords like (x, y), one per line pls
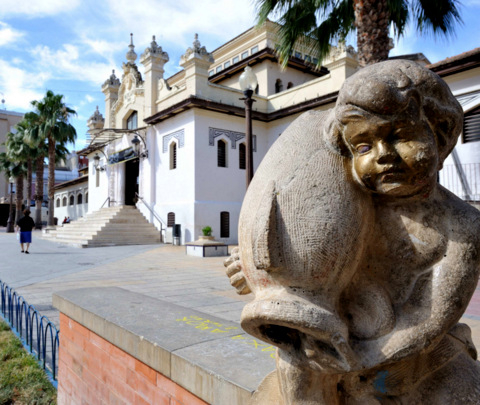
(37, 333)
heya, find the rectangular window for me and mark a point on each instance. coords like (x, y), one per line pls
(219, 68)
(308, 58)
(254, 50)
(315, 61)
(471, 126)
(211, 72)
(236, 59)
(224, 224)
(298, 55)
(244, 54)
(226, 64)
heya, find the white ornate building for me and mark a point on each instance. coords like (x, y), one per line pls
(190, 128)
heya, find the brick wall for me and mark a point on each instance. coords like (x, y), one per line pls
(93, 371)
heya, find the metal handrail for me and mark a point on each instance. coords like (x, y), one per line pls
(39, 336)
(155, 215)
(108, 199)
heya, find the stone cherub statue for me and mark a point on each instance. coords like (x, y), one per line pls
(360, 262)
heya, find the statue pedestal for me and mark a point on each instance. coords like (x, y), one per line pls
(206, 246)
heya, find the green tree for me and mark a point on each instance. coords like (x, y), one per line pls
(54, 129)
(17, 170)
(318, 23)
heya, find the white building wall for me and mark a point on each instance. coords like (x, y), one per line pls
(75, 210)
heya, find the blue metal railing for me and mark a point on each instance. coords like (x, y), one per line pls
(37, 333)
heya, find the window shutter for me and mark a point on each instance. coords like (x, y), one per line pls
(170, 219)
(471, 126)
(224, 224)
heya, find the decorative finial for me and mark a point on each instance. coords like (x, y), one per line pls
(131, 55)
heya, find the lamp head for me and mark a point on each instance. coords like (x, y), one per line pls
(248, 81)
(136, 144)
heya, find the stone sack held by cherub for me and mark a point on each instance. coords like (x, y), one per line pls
(361, 264)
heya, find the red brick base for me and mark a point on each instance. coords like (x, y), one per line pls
(93, 371)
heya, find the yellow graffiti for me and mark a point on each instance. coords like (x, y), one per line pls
(206, 324)
(216, 327)
(264, 347)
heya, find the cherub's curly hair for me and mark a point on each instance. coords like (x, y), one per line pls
(388, 87)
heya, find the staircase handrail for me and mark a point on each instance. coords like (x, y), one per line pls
(155, 215)
(108, 199)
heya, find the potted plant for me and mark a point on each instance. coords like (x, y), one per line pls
(207, 233)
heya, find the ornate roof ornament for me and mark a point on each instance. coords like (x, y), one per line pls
(197, 51)
(96, 121)
(156, 51)
(131, 55)
(112, 80)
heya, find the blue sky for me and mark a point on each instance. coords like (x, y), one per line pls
(71, 47)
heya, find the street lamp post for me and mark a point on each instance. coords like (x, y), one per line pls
(248, 83)
(10, 225)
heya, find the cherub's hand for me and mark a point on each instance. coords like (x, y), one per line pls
(235, 273)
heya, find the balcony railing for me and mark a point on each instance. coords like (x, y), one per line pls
(462, 180)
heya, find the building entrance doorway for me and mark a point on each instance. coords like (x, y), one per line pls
(131, 181)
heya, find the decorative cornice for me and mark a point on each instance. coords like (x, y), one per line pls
(232, 135)
(178, 135)
(195, 102)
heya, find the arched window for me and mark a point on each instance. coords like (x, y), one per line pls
(64, 201)
(242, 156)
(224, 224)
(72, 200)
(278, 86)
(57, 203)
(86, 198)
(221, 153)
(80, 199)
(132, 121)
(289, 85)
(173, 155)
(170, 219)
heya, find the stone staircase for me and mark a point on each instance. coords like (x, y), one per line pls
(112, 226)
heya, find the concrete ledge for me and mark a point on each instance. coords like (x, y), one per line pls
(210, 357)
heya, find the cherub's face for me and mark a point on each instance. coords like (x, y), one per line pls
(396, 155)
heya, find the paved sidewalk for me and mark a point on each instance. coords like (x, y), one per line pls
(159, 271)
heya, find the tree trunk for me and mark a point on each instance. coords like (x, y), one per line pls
(51, 180)
(39, 192)
(29, 182)
(372, 23)
(19, 198)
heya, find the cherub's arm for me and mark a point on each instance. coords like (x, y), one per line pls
(437, 302)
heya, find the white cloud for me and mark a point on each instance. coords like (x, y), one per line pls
(89, 98)
(66, 63)
(20, 87)
(176, 22)
(9, 35)
(36, 8)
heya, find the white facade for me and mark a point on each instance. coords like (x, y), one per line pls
(461, 172)
(180, 121)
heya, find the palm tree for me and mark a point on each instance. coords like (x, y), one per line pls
(55, 129)
(14, 169)
(34, 139)
(17, 153)
(318, 23)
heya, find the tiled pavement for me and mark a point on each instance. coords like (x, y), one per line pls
(164, 272)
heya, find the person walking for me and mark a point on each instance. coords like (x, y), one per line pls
(25, 224)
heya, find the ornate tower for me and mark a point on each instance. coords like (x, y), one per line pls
(153, 59)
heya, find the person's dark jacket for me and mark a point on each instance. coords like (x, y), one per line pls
(26, 224)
